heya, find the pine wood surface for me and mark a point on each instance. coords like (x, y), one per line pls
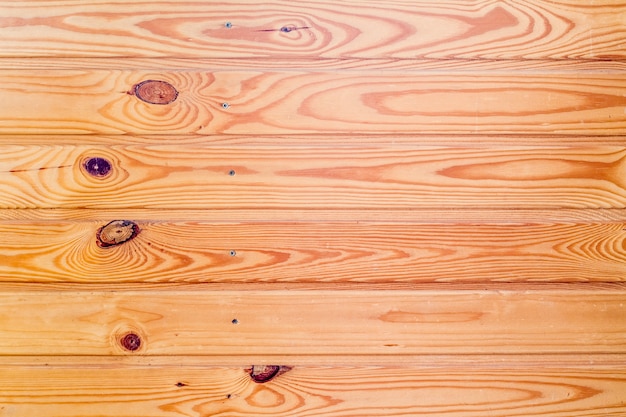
(291, 323)
(254, 28)
(274, 177)
(387, 208)
(293, 102)
(311, 391)
(315, 252)
(303, 64)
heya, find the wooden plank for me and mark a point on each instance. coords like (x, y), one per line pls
(311, 252)
(440, 216)
(325, 323)
(254, 177)
(300, 102)
(422, 65)
(328, 391)
(334, 140)
(257, 28)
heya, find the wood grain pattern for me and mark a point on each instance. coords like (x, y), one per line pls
(388, 65)
(325, 323)
(404, 29)
(328, 391)
(294, 102)
(408, 216)
(198, 177)
(315, 252)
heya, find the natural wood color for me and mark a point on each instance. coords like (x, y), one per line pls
(352, 216)
(389, 66)
(308, 252)
(275, 177)
(329, 391)
(406, 141)
(292, 323)
(295, 102)
(414, 29)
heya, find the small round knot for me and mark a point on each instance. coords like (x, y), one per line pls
(97, 167)
(225, 106)
(286, 29)
(116, 232)
(228, 25)
(131, 341)
(155, 92)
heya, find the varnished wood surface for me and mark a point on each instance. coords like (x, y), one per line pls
(325, 323)
(403, 29)
(300, 102)
(307, 391)
(315, 252)
(274, 177)
(412, 207)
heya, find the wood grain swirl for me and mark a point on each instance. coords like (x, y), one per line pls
(331, 391)
(295, 102)
(403, 29)
(315, 252)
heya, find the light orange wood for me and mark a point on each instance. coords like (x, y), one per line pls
(486, 216)
(405, 29)
(324, 323)
(300, 102)
(279, 177)
(305, 391)
(315, 252)
(422, 65)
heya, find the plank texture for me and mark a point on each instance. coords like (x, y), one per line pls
(314, 252)
(279, 28)
(309, 391)
(326, 323)
(289, 102)
(271, 177)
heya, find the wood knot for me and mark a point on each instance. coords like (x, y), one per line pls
(131, 341)
(116, 232)
(155, 92)
(97, 167)
(265, 373)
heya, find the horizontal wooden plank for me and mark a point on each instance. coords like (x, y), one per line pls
(328, 391)
(325, 323)
(438, 216)
(307, 252)
(414, 141)
(415, 29)
(422, 65)
(299, 102)
(254, 177)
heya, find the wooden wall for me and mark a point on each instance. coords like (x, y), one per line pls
(313, 208)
